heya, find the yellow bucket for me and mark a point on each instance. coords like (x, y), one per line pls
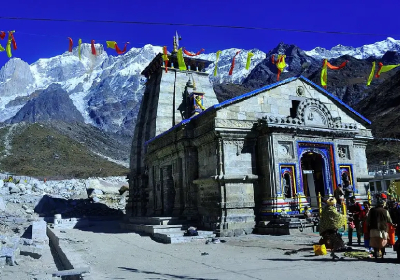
(319, 250)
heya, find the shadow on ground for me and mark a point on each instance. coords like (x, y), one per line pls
(317, 259)
(73, 208)
(174, 276)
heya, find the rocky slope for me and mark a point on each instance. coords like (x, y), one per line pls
(61, 150)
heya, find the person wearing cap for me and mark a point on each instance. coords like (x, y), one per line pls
(330, 222)
(378, 220)
(355, 211)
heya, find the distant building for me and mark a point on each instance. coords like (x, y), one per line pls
(227, 166)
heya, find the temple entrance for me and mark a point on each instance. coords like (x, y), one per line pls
(313, 171)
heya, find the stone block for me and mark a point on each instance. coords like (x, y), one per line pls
(39, 232)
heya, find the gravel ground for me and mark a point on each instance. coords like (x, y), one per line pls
(29, 268)
(112, 253)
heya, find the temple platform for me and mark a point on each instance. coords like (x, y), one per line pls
(167, 230)
(286, 226)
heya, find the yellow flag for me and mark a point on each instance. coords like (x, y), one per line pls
(165, 55)
(249, 56)
(216, 62)
(111, 44)
(324, 74)
(281, 62)
(371, 75)
(8, 46)
(79, 48)
(386, 68)
(181, 61)
(1, 48)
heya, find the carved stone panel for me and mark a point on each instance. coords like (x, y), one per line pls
(314, 117)
(285, 149)
(343, 152)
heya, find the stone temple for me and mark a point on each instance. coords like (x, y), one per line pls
(228, 166)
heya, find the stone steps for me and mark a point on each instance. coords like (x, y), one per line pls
(178, 237)
(165, 229)
(285, 226)
(157, 220)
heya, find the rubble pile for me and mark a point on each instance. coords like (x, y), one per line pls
(25, 204)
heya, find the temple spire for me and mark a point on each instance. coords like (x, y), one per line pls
(177, 38)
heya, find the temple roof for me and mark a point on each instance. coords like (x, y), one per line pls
(244, 96)
(255, 92)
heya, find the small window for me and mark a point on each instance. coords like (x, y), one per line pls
(378, 186)
(293, 110)
(371, 186)
(387, 184)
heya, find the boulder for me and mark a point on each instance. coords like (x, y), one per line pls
(12, 188)
(22, 187)
(38, 187)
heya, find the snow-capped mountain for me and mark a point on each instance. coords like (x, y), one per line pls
(376, 50)
(107, 90)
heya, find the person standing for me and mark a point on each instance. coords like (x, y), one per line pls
(331, 221)
(364, 216)
(339, 195)
(378, 219)
(355, 212)
(392, 208)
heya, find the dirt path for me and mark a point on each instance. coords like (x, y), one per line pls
(115, 254)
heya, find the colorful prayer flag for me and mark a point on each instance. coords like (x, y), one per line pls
(165, 58)
(111, 44)
(324, 74)
(9, 41)
(114, 45)
(280, 64)
(371, 75)
(192, 54)
(249, 56)
(181, 61)
(71, 44)
(385, 68)
(233, 63)
(324, 71)
(93, 48)
(79, 48)
(216, 62)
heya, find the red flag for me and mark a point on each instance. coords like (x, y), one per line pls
(71, 43)
(233, 63)
(93, 48)
(2, 35)
(13, 41)
(119, 51)
(330, 66)
(192, 54)
(165, 58)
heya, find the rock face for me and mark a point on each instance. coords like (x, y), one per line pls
(52, 103)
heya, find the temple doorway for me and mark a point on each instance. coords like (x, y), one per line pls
(313, 166)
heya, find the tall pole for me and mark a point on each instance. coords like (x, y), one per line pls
(319, 203)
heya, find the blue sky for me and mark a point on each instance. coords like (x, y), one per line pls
(42, 39)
